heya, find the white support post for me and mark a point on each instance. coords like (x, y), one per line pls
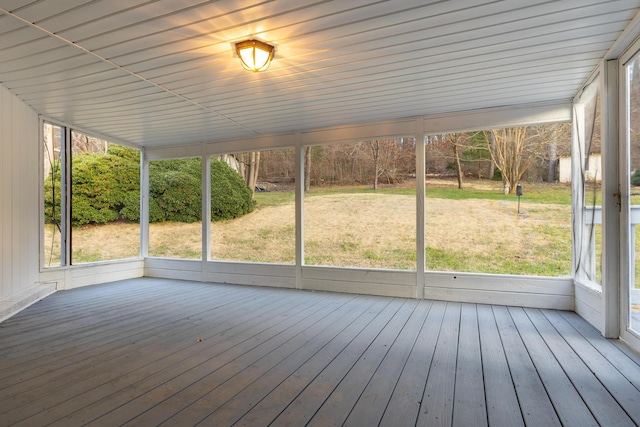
(65, 198)
(144, 204)
(420, 212)
(610, 210)
(206, 207)
(299, 196)
(41, 178)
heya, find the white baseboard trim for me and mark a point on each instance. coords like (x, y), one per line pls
(10, 307)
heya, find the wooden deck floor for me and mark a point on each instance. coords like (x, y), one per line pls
(149, 352)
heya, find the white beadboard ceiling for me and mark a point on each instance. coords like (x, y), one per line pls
(163, 73)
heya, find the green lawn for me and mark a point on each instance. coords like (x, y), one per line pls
(476, 229)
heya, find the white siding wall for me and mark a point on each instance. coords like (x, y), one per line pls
(19, 202)
(590, 305)
(92, 274)
(21, 282)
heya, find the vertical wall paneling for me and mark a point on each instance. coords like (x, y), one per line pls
(25, 196)
(34, 195)
(93, 273)
(589, 305)
(5, 192)
(19, 206)
(16, 153)
(21, 282)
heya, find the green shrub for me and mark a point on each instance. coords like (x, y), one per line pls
(106, 188)
(52, 195)
(175, 191)
(230, 196)
(124, 152)
(635, 178)
(102, 185)
(176, 196)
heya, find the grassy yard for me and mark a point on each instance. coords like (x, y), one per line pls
(477, 229)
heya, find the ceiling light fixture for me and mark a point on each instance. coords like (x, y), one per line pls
(255, 55)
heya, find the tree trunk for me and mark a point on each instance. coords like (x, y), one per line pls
(249, 164)
(553, 157)
(375, 151)
(456, 156)
(49, 153)
(426, 155)
(492, 148)
(458, 167)
(255, 166)
(307, 169)
(241, 162)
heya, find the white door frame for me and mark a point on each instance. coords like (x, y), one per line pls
(627, 234)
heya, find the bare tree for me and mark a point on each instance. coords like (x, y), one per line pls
(388, 159)
(512, 154)
(548, 143)
(492, 146)
(82, 143)
(248, 167)
(553, 159)
(51, 147)
(456, 145)
(277, 165)
(437, 154)
(557, 137)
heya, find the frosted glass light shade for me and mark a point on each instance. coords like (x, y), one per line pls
(255, 55)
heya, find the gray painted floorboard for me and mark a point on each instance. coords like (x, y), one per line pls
(150, 352)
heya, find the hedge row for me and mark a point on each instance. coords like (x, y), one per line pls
(106, 188)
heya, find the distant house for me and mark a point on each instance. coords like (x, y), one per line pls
(593, 172)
